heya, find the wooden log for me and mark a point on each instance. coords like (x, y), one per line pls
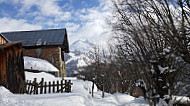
(57, 86)
(41, 87)
(61, 86)
(53, 86)
(49, 87)
(45, 85)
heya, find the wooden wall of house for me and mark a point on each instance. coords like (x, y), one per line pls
(51, 54)
(12, 67)
(2, 40)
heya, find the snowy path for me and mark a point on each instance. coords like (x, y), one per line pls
(79, 96)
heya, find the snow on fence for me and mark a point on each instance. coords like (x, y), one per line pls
(32, 87)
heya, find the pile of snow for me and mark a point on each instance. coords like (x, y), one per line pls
(5, 97)
(38, 64)
(79, 96)
(9, 99)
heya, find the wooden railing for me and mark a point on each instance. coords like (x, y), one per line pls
(59, 86)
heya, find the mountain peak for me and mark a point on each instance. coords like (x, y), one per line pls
(81, 45)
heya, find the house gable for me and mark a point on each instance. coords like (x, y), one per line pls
(3, 40)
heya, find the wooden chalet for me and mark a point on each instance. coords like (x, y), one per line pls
(12, 67)
(48, 44)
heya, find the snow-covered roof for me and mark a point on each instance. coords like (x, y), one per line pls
(38, 64)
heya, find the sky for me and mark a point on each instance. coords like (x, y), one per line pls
(83, 19)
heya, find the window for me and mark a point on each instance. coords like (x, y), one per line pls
(38, 52)
(53, 60)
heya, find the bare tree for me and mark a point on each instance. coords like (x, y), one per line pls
(153, 39)
(105, 70)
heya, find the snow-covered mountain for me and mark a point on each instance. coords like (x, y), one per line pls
(81, 45)
(77, 56)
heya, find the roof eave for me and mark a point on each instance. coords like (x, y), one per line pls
(41, 46)
(66, 42)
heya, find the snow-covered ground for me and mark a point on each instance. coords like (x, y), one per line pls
(79, 96)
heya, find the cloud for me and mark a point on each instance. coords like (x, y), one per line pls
(8, 24)
(93, 27)
(48, 8)
(72, 27)
(84, 23)
(105, 5)
(94, 31)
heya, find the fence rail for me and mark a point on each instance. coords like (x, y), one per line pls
(32, 87)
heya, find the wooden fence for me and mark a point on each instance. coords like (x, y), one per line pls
(32, 87)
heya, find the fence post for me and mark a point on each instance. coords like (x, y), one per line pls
(61, 86)
(49, 87)
(28, 87)
(31, 87)
(93, 88)
(35, 86)
(66, 86)
(53, 86)
(57, 86)
(69, 86)
(103, 86)
(45, 85)
(41, 87)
